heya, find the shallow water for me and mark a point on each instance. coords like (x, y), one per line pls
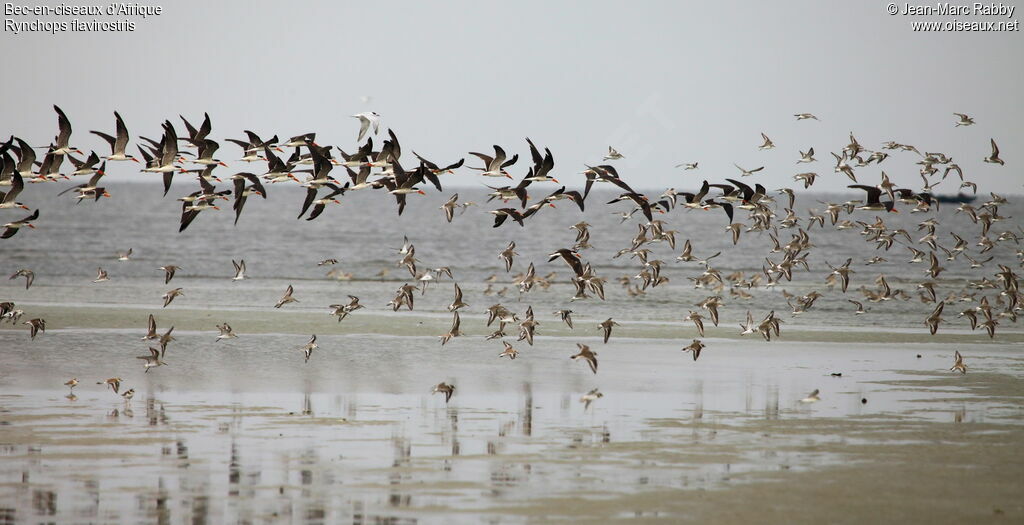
(243, 431)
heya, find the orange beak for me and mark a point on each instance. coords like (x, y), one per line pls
(216, 207)
(421, 192)
(555, 180)
(222, 164)
(101, 172)
(23, 207)
(135, 160)
(30, 225)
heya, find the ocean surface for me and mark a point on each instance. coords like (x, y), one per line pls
(364, 232)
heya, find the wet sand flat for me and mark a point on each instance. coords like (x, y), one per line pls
(725, 439)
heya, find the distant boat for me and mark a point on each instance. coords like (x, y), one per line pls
(959, 197)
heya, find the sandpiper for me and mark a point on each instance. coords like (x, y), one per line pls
(114, 383)
(959, 365)
(169, 296)
(566, 316)
(29, 276)
(696, 346)
(225, 332)
(590, 397)
(169, 272)
(509, 352)
(587, 355)
(35, 326)
(151, 360)
(286, 298)
(445, 389)
(309, 347)
(607, 325)
(813, 397)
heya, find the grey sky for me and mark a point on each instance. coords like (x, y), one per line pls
(664, 82)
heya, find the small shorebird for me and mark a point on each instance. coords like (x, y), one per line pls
(587, 355)
(696, 346)
(29, 276)
(445, 389)
(813, 397)
(72, 383)
(124, 256)
(169, 296)
(453, 331)
(746, 172)
(225, 332)
(151, 360)
(508, 254)
(239, 269)
(169, 272)
(151, 333)
(607, 327)
(698, 321)
(994, 157)
(807, 156)
(590, 397)
(101, 276)
(165, 340)
(327, 262)
(35, 326)
(933, 320)
(768, 144)
(964, 120)
(342, 310)
(287, 298)
(309, 347)
(114, 383)
(805, 116)
(688, 165)
(457, 302)
(449, 207)
(959, 365)
(860, 307)
(566, 316)
(128, 395)
(509, 352)
(612, 154)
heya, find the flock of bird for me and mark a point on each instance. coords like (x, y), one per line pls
(191, 156)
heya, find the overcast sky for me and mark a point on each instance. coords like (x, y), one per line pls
(664, 82)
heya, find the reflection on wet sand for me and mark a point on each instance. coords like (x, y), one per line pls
(528, 452)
